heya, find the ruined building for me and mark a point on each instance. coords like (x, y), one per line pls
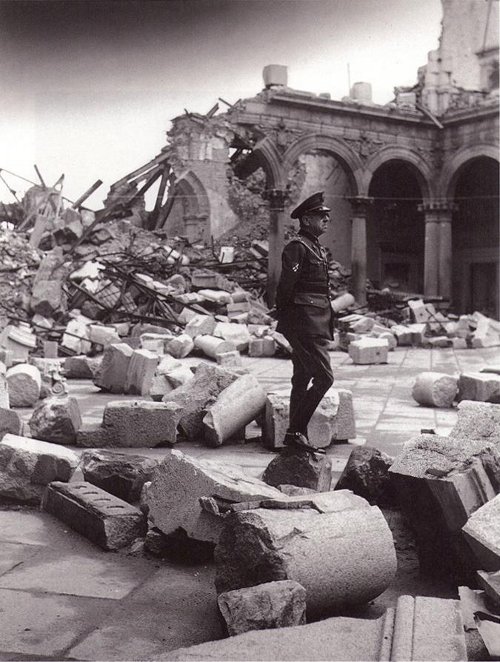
(413, 185)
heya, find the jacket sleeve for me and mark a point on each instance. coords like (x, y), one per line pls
(291, 267)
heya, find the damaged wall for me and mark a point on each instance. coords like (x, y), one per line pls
(200, 157)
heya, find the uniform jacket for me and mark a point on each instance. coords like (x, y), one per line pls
(303, 294)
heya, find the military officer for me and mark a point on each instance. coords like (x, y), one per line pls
(305, 316)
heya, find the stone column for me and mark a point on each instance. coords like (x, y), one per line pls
(437, 258)
(360, 207)
(276, 199)
(444, 273)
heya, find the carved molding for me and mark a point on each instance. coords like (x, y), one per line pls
(365, 145)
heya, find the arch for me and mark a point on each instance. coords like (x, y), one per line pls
(267, 155)
(452, 167)
(315, 141)
(189, 186)
(187, 209)
(422, 170)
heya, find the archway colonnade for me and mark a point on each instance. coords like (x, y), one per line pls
(434, 202)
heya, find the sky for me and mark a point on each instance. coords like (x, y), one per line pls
(88, 87)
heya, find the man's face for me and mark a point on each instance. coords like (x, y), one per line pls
(317, 222)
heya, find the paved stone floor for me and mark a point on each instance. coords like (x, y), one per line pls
(62, 598)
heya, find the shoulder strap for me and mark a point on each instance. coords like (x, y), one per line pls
(304, 243)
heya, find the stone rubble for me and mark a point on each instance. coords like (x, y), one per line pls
(120, 474)
(27, 466)
(178, 483)
(439, 482)
(271, 605)
(419, 628)
(322, 549)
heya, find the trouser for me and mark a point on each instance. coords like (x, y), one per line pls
(311, 364)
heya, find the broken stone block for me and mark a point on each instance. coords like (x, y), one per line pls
(140, 372)
(4, 388)
(459, 343)
(482, 532)
(179, 376)
(113, 371)
(99, 516)
(56, 419)
(420, 628)
(435, 389)
(324, 551)
(166, 364)
(477, 420)
(159, 387)
(368, 351)
(216, 296)
(48, 298)
(27, 466)
(235, 407)
(180, 346)
(490, 582)
(367, 475)
(487, 332)
(154, 343)
(9, 422)
(333, 419)
(93, 435)
(238, 334)
(479, 386)
(200, 325)
(417, 334)
(229, 359)
(439, 482)
(103, 335)
(19, 342)
(76, 335)
(24, 383)
(81, 367)
(419, 311)
(198, 394)
(390, 338)
(173, 498)
(439, 341)
(141, 423)
(262, 346)
(488, 626)
(204, 278)
(120, 474)
(212, 346)
(299, 468)
(271, 605)
(403, 334)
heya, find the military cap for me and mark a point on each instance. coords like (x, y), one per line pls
(314, 203)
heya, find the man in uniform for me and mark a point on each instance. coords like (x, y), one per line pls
(305, 317)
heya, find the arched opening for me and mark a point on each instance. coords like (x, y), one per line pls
(475, 237)
(188, 213)
(320, 170)
(395, 229)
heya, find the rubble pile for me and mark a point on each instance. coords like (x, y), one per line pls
(19, 262)
(369, 336)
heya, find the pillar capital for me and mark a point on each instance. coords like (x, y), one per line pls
(437, 206)
(276, 198)
(360, 204)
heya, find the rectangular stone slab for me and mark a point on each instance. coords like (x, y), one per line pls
(99, 516)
